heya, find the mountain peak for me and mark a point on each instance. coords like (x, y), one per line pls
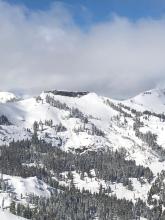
(153, 100)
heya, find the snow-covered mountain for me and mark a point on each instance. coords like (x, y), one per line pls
(7, 97)
(153, 100)
(81, 122)
(104, 113)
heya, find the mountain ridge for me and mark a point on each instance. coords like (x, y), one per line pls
(83, 124)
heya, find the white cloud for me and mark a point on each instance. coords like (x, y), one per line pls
(47, 50)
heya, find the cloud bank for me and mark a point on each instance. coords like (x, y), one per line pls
(42, 50)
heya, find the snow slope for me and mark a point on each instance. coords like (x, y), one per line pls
(21, 188)
(25, 186)
(4, 215)
(153, 100)
(122, 192)
(7, 97)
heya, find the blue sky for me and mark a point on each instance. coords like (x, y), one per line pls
(121, 53)
(87, 12)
